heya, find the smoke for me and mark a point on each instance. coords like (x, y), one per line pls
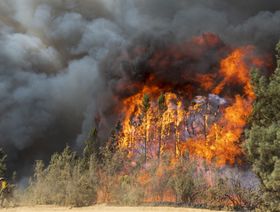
(58, 69)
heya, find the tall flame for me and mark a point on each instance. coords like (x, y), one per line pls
(209, 127)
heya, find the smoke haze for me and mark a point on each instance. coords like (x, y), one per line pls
(57, 60)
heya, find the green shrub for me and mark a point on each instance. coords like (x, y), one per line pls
(128, 191)
(187, 182)
(64, 181)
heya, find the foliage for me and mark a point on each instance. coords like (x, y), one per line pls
(145, 107)
(91, 145)
(145, 103)
(162, 108)
(263, 137)
(232, 192)
(116, 178)
(64, 181)
(161, 103)
(3, 158)
(128, 191)
(187, 183)
(160, 178)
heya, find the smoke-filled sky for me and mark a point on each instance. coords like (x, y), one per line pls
(57, 59)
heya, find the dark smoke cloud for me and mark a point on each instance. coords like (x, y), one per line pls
(52, 54)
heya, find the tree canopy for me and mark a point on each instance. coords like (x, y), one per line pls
(263, 136)
(3, 158)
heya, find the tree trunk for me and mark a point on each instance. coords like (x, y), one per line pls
(176, 135)
(145, 140)
(159, 141)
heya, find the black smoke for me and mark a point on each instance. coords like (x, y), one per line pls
(57, 60)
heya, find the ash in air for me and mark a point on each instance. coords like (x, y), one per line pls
(63, 63)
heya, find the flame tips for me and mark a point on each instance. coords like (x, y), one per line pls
(207, 126)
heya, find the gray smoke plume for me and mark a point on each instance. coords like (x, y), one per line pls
(57, 59)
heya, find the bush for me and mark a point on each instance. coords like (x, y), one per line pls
(230, 191)
(160, 178)
(80, 181)
(128, 191)
(64, 181)
(187, 182)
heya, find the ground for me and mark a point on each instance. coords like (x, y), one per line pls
(100, 208)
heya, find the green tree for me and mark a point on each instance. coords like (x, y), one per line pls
(3, 158)
(162, 107)
(64, 181)
(113, 139)
(91, 146)
(263, 137)
(145, 107)
(187, 183)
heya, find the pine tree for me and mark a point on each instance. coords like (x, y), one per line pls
(113, 139)
(91, 146)
(3, 158)
(145, 107)
(263, 137)
(162, 108)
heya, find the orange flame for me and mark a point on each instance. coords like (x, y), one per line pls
(212, 135)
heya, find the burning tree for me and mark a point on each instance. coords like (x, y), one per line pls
(161, 109)
(211, 126)
(144, 108)
(179, 126)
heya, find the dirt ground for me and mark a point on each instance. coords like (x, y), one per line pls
(100, 208)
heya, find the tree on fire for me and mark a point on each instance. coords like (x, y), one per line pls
(263, 138)
(145, 107)
(161, 109)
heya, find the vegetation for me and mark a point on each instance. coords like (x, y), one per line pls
(64, 181)
(3, 167)
(187, 183)
(263, 138)
(145, 107)
(116, 179)
(107, 174)
(162, 107)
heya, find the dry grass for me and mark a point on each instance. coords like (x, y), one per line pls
(100, 208)
(70, 181)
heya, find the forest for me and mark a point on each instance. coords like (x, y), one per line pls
(153, 166)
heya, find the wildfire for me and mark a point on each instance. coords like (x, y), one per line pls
(160, 120)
